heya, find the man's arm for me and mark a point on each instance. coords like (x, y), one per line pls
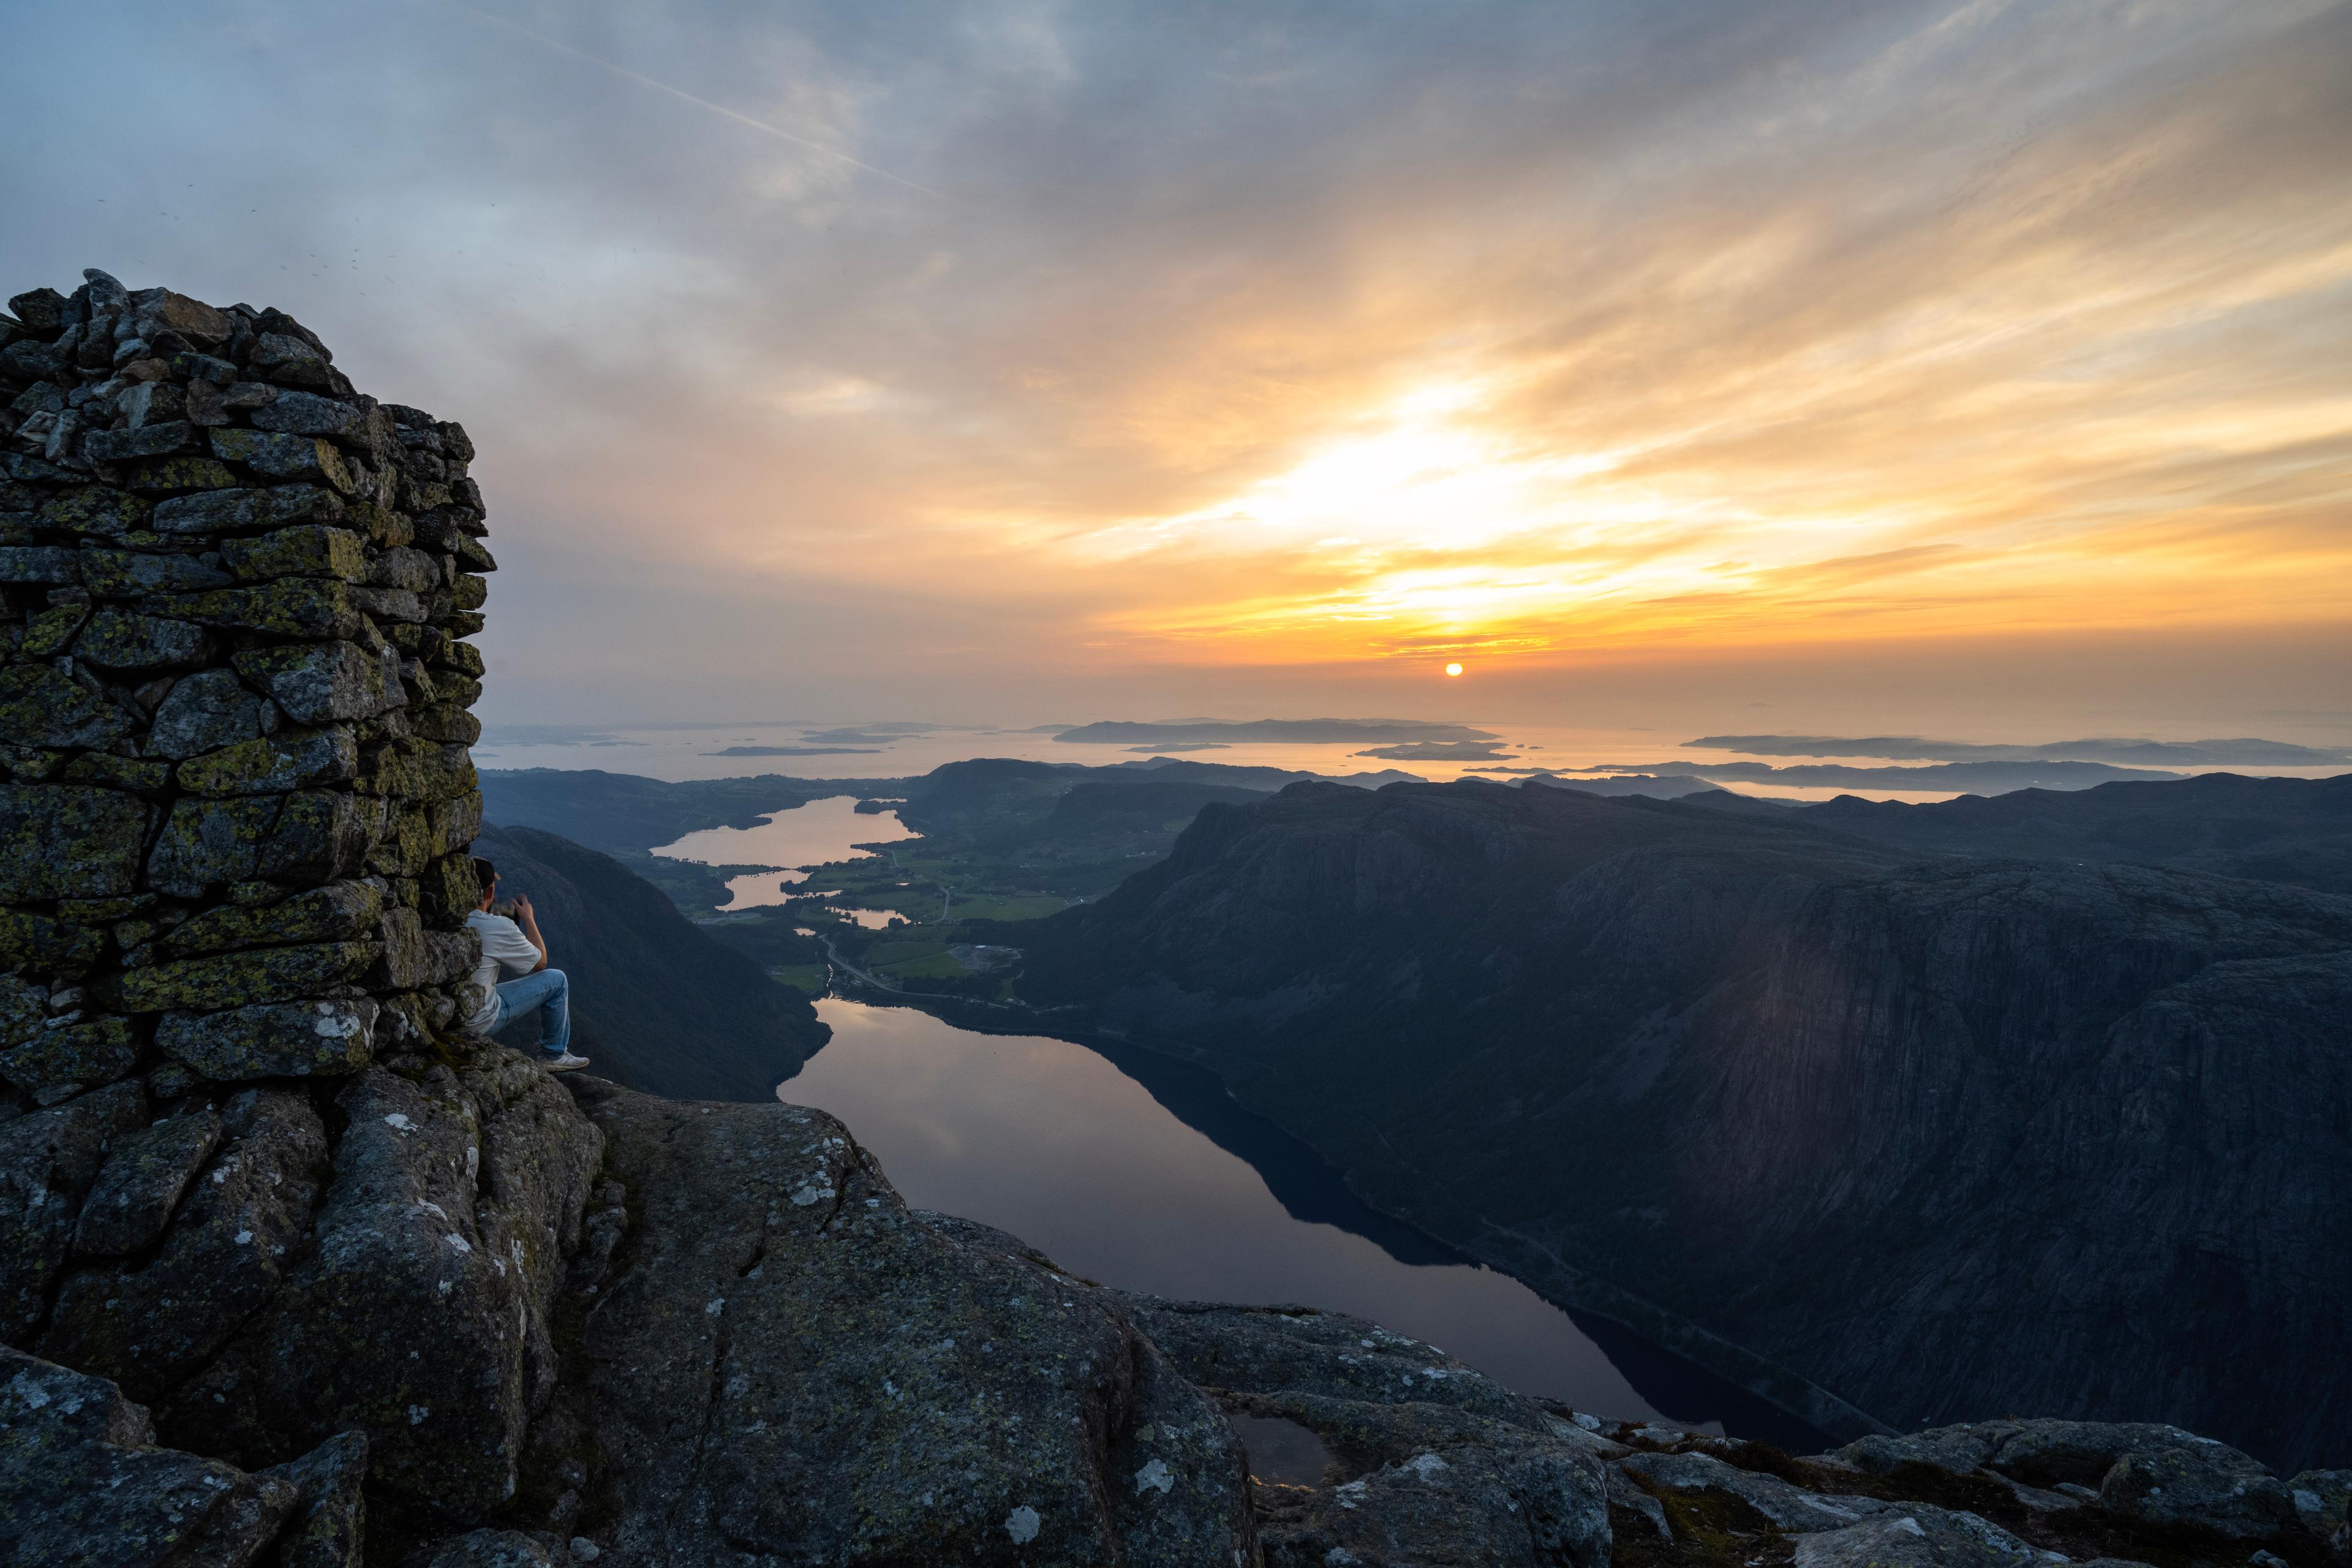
(530, 923)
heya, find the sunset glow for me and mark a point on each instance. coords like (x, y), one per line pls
(920, 356)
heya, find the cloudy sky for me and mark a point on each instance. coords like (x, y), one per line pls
(1987, 364)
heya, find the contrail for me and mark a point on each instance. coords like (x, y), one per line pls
(717, 109)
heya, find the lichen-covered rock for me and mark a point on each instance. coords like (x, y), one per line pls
(320, 683)
(1901, 1539)
(284, 456)
(60, 947)
(2322, 1502)
(226, 511)
(61, 841)
(312, 550)
(61, 1062)
(204, 712)
(2204, 1483)
(501, 1549)
(152, 1325)
(123, 574)
(306, 414)
(329, 1527)
(99, 509)
(238, 979)
(82, 1482)
(305, 837)
(48, 1161)
(121, 640)
(43, 706)
(340, 912)
(1436, 1484)
(273, 765)
(1787, 1507)
(1435, 1462)
(793, 1365)
(142, 1183)
(279, 1040)
(45, 564)
(418, 1315)
(2144, 1470)
(296, 607)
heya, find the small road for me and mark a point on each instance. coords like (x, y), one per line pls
(864, 977)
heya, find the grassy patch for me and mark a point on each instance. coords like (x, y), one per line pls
(807, 978)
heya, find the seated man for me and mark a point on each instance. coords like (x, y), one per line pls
(505, 944)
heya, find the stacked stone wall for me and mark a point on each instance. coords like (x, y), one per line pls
(234, 706)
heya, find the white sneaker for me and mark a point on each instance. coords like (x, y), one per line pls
(567, 1062)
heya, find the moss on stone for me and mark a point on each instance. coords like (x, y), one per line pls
(100, 510)
(310, 550)
(69, 841)
(298, 607)
(59, 1062)
(273, 765)
(125, 640)
(238, 979)
(284, 1039)
(32, 940)
(172, 476)
(340, 912)
(284, 456)
(40, 706)
(49, 632)
(111, 772)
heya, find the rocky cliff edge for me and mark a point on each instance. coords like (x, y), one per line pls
(452, 1312)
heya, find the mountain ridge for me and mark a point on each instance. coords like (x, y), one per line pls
(1715, 1063)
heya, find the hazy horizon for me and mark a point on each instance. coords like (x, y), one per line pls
(1975, 370)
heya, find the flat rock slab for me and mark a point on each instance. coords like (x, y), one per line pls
(1432, 1462)
(789, 1366)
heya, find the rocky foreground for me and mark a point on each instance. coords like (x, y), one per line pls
(452, 1312)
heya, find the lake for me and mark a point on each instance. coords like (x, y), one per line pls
(816, 833)
(1140, 1172)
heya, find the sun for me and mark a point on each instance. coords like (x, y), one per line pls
(1452, 669)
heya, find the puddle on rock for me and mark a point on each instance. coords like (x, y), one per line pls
(1280, 1450)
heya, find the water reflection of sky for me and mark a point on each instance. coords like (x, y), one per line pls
(815, 834)
(1050, 1141)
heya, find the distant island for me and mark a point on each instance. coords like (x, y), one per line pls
(2243, 752)
(1296, 732)
(1971, 778)
(1656, 786)
(1440, 752)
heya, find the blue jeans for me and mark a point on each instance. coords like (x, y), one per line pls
(549, 993)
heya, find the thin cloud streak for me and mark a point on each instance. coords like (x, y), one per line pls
(682, 95)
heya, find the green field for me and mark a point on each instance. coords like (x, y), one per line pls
(808, 978)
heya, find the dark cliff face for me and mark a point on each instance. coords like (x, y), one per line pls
(661, 1005)
(2275, 830)
(1946, 1140)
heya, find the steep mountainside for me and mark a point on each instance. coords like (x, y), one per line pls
(2279, 831)
(1944, 1141)
(663, 1006)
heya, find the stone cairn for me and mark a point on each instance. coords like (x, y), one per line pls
(234, 707)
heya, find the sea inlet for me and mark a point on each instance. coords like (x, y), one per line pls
(1140, 1172)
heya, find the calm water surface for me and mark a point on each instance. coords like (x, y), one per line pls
(1054, 1143)
(816, 833)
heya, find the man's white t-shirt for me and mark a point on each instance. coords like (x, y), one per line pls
(503, 944)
